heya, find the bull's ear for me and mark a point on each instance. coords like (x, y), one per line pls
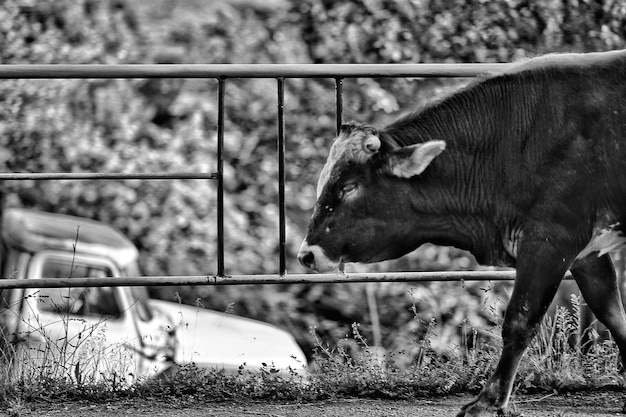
(412, 160)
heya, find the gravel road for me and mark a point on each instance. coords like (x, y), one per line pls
(592, 404)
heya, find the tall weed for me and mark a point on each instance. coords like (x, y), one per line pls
(350, 367)
(555, 360)
(558, 359)
(38, 362)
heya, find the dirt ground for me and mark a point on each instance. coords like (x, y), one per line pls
(593, 404)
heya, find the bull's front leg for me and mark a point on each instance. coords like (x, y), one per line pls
(540, 268)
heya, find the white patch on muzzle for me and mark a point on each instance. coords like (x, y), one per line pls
(322, 263)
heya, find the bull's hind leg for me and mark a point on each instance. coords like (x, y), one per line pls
(598, 284)
(538, 277)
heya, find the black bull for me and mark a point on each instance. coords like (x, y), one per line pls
(526, 168)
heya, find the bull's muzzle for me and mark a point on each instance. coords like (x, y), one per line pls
(307, 259)
(313, 258)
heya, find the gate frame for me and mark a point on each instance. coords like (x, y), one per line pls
(221, 73)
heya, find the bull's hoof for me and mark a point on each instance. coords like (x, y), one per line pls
(477, 407)
(473, 409)
(466, 412)
(508, 413)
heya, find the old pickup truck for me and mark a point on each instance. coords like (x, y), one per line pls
(89, 333)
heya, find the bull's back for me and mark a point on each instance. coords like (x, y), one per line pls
(583, 60)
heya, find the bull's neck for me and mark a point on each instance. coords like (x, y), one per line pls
(460, 175)
(463, 182)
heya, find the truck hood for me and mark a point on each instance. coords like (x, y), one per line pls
(212, 339)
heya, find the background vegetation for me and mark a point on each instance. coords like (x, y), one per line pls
(170, 125)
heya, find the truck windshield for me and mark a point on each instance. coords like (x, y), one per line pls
(96, 301)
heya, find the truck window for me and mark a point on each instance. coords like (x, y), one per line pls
(95, 301)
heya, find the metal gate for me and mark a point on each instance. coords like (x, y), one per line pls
(222, 73)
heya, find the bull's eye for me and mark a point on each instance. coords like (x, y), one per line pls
(349, 190)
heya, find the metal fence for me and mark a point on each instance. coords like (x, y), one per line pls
(222, 73)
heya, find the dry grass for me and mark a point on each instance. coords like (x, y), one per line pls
(555, 361)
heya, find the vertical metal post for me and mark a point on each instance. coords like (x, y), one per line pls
(220, 177)
(339, 118)
(281, 175)
(339, 103)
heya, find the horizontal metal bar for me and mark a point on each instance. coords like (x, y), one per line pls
(48, 71)
(259, 279)
(105, 176)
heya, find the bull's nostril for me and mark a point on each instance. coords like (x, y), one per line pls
(307, 259)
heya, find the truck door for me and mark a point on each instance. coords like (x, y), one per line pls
(88, 333)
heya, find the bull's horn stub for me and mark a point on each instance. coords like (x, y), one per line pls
(372, 143)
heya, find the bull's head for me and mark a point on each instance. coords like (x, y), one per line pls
(365, 208)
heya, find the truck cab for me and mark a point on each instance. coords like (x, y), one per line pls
(97, 331)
